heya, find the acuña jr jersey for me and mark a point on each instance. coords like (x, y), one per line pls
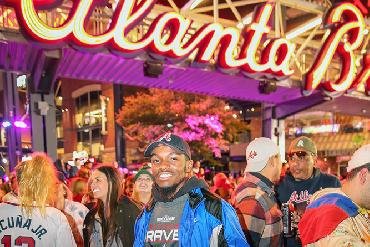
(18, 229)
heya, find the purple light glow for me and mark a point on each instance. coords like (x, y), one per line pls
(20, 124)
(6, 124)
(206, 128)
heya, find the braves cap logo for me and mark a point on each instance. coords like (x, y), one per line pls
(166, 136)
(252, 154)
(300, 143)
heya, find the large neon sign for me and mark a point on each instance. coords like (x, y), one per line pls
(166, 37)
(346, 34)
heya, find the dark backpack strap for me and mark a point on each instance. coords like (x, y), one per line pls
(85, 234)
(85, 230)
(88, 225)
(213, 204)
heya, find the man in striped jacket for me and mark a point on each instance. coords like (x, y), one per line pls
(255, 202)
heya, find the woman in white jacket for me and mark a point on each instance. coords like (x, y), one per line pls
(33, 222)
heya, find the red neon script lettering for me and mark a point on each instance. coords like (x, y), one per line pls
(166, 36)
(353, 27)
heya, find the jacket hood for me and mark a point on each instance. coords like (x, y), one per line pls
(326, 191)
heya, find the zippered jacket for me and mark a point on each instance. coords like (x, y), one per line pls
(207, 220)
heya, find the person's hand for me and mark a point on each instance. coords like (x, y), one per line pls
(295, 220)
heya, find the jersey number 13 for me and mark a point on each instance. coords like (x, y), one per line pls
(7, 240)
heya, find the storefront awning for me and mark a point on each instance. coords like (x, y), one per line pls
(107, 67)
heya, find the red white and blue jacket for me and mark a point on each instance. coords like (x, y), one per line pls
(332, 211)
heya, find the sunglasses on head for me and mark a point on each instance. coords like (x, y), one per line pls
(299, 154)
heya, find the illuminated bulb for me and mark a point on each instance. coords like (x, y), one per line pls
(358, 61)
(247, 20)
(240, 25)
(6, 124)
(235, 116)
(21, 81)
(20, 124)
(252, 109)
(4, 160)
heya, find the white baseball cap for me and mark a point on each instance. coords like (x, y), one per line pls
(259, 152)
(359, 158)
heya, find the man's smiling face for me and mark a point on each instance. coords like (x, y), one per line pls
(169, 166)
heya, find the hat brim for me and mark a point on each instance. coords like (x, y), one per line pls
(149, 150)
(299, 149)
(141, 172)
(295, 149)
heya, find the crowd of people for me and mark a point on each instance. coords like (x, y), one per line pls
(168, 202)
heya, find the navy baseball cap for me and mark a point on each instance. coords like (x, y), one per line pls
(172, 141)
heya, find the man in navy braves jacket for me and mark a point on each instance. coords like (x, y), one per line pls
(302, 181)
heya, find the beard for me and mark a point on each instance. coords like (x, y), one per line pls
(169, 192)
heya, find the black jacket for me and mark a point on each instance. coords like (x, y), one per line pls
(126, 215)
(299, 193)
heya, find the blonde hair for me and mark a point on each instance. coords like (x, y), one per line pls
(37, 184)
(79, 186)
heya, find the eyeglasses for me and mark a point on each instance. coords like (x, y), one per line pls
(298, 156)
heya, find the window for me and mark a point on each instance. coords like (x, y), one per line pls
(88, 119)
(88, 109)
